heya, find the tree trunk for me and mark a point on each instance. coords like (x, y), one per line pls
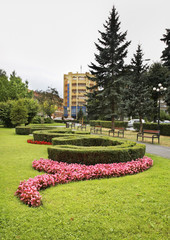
(141, 125)
(113, 122)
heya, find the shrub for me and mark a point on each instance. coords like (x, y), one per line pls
(19, 112)
(108, 124)
(48, 120)
(23, 130)
(96, 150)
(48, 135)
(37, 119)
(164, 127)
(84, 140)
(20, 130)
(5, 111)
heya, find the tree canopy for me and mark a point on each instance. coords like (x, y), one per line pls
(49, 100)
(13, 88)
(108, 67)
(166, 52)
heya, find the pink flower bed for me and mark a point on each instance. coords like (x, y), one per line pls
(59, 173)
(39, 142)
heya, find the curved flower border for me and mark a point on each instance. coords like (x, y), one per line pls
(38, 142)
(60, 173)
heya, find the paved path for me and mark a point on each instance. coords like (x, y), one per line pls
(157, 150)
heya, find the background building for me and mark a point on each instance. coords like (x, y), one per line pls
(74, 93)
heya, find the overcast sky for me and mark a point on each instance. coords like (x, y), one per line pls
(44, 39)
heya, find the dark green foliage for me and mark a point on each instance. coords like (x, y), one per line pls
(57, 132)
(84, 140)
(48, 120)
(36, 120)
(164, 127)
(158, 74)
(167, 95)
(32, 108)
(108, 69)
(3, 86)
(20, 130)
(166, 52)
(16, 112)
(5, 111)
(108, 124)
(19, 113)
(103, 150)
(138, 91)
(25, 130)
(80, 114)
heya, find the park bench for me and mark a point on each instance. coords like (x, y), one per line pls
(119, 131)
(96, 129)
(149, 134)
(73, 125)
(82, 126)
(67, 124)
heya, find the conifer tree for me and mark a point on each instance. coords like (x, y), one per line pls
(138, 92)
(108, 67)
(166, 53)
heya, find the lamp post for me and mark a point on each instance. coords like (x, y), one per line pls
(160, 91)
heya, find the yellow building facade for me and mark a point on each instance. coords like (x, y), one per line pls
(75, 89)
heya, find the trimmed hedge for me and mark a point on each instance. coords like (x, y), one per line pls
(115, 151)
(108, 124)
(164, 127)
(84, 140)
(58, 132)
(26, 130)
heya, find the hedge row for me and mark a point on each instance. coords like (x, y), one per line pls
(108, 124)
(164, 127)
(26, 130)
(48, 135)
(117, 151)
(85, 140)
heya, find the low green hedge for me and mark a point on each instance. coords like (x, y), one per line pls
(84, 140)
(23, 130)
(26, 130)
(48, 135)
(164, 127)
(115, 151)
(108, 124)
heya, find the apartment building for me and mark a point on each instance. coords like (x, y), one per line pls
(75, 88)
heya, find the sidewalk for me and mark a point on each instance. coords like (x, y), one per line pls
(157, 150)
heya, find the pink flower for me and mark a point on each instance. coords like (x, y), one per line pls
(60, 173)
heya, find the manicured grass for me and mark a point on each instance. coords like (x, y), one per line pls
(132, 207)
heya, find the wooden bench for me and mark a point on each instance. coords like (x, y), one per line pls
(96, 129)
(150, 134)
(73, 125)
(67, 124)
(82, 126)
(119, 131)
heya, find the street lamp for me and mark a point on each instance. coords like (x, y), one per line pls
(160, 91)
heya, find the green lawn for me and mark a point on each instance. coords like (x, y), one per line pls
(132, 207)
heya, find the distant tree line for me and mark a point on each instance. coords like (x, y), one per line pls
(120, 89)
(19, 105)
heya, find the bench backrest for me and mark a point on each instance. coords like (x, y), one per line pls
(151, 131)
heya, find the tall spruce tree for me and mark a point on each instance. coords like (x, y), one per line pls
(107, 71)
(138, 93)
(166, 52)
